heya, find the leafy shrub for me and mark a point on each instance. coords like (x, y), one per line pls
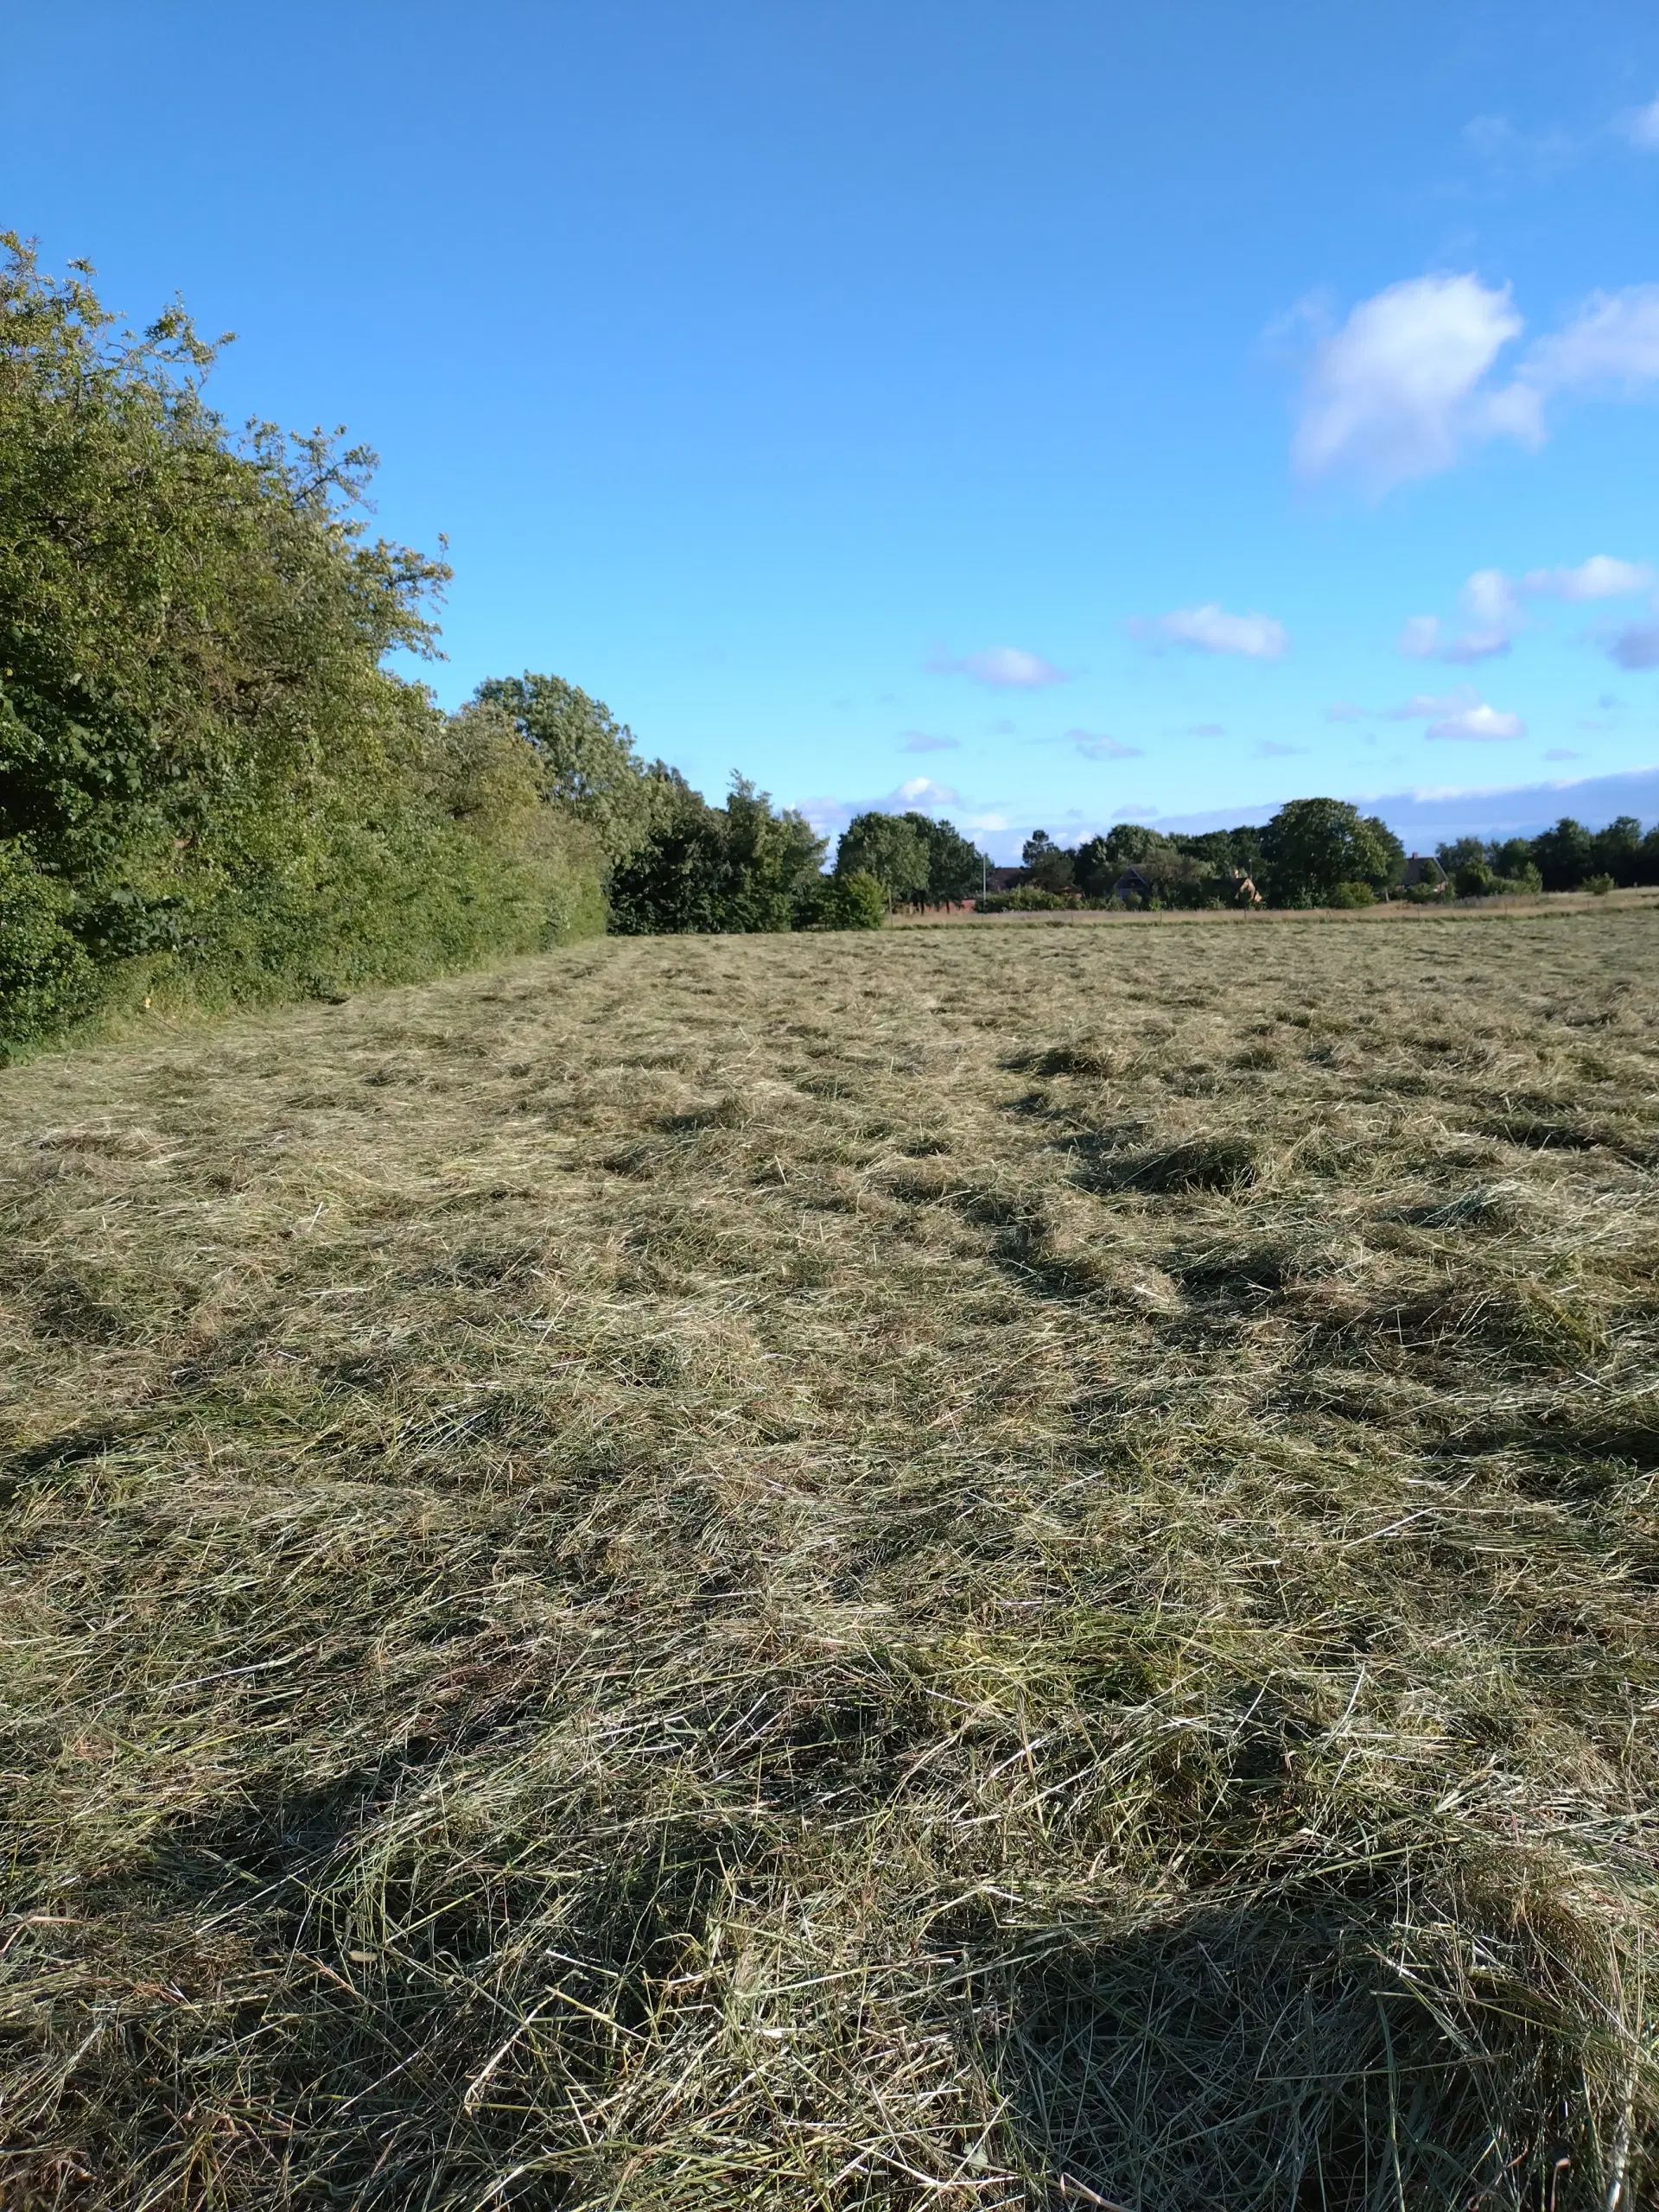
(854, 901)
(1353, 894)
(1600, 885)
(45, 975)
(1024, 898)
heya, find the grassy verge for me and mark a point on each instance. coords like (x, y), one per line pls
(948, 1569)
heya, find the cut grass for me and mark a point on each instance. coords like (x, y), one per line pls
(967, 1568)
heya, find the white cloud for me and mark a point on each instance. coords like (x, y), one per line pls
(1268, 751)
(1395, 393)
(1210, 629)
(1477, 725)
(1404, 387)
(1344, 710)
(1561, 752)
(1641, 127)
(1602, 576)
(1103, 748)
(988, 824)
(919, 740)
(1205, 729)
(922, 792)
(1003, 667)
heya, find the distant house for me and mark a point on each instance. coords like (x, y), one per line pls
(1006, 879)
(1132, 883)
(1424, 873)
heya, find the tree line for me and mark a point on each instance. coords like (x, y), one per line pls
(1568, 857)
(214, 790)
(1313, 852)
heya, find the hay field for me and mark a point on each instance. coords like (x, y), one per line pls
(966, 1568)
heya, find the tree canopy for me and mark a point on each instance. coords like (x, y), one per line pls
(914, 857)
(889, 847)
(1312, 847)
(730, 869)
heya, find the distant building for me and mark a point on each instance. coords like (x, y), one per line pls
(1006, 879)
(1424, 873)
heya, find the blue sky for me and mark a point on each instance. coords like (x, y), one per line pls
(1048, 412)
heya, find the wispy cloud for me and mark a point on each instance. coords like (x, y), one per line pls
(1344, 710)
(1211, 629)
(1499, 141)
(1205, 729)
(1611, 346)
(921, 741)
(1635, 645)
(1101, 747)
(1602, 576)
(1491, 606)
(1491, 616)
(1002, 667)
(1562, 752)
(1641, 127)
(1429, 706)
(829, 816)
(1268, 751)
(1460, 716)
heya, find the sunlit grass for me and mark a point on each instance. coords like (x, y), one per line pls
(845, 1572)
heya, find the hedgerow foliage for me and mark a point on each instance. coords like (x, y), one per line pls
(211, 787)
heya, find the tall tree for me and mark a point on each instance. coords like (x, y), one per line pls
(1053, 867)
(955, 866)
(587, 755)
(890, 848)
(726, 870)
(1617, 850)
(1564, 856)
(1313, 846)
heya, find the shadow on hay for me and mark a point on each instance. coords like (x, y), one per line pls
(409, 2019)
(1254, 2059)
